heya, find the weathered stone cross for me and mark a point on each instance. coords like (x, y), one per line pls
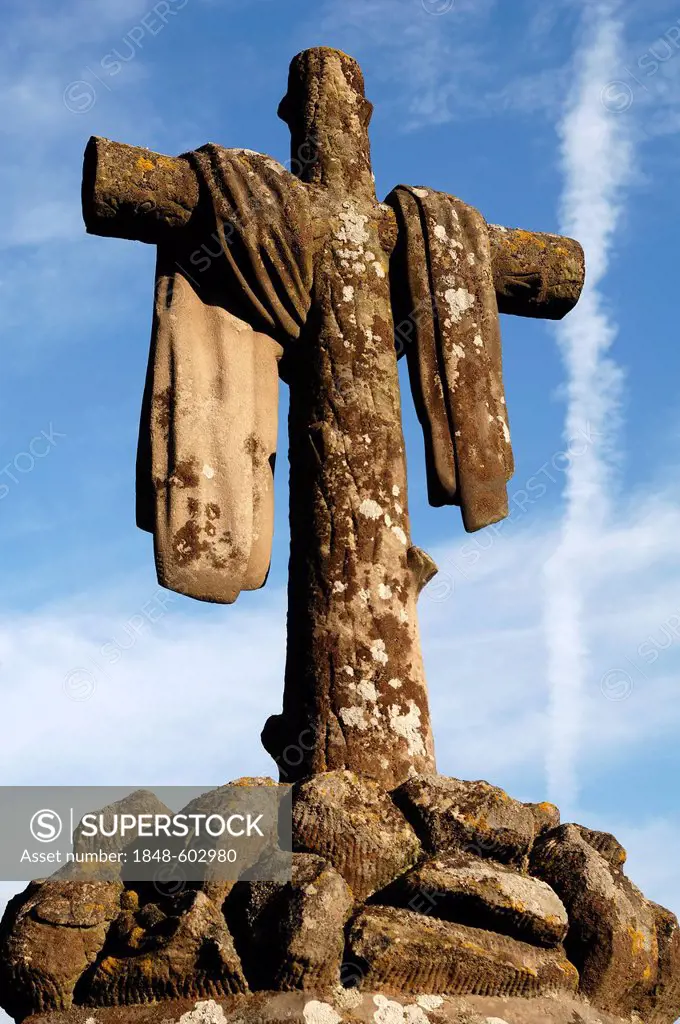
(355, 694)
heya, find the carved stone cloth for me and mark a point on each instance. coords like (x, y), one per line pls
(230, 293)
(446, 315)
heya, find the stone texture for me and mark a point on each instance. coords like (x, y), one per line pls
(546, 817)
(179, 947)
(132, 192)
(449, 814)
(612, 931)
(210, 410)
(142, 801)
(351, 822)
(536, 274)
(605, 844)
(442, 282)
(345, 1007)
(355, 693)
(218, 801)
(49, 936)
(292, 936)
(400, 951)
(463, 888)
(661, 1005)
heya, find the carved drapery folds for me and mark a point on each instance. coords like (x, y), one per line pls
(230, 289)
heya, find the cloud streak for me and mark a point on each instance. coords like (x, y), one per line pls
(597, 160)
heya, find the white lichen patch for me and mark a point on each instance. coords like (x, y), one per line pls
(348, 670)
(429, 1002)
(367, 690)
(339, 588)
(391, 1012)
(388, 1011)
(459, 300)
(348, 293)
(494, 1020)
(471, 258)
(388, 519)
(207, 1012)
(316, 1012)
(440, 232)
(347, 998)
(208, 472)
(395, 683)
(505, 429)
(395, 491)
(400, 535)
(478, 341)
(379, 269)
(422, 193)
(355, 718)
(353, 229)
(407, 725)
(370, 508)
(384, 591)
(378, 652)
(403, 615)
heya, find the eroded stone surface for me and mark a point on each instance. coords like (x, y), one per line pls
(401, 951)
(50, 935)
(178, 947)
(605, 844)
(546, 816)
(345, 1007)
(662, 1004)
(612, 930)
(450, 814)
(463, 888)
(249, 848)
(292, 936)
(351, 822)
(142, 801)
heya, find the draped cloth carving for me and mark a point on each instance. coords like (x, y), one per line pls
(443, 292)
(231, 290)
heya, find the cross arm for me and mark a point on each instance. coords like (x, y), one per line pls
(134, 193)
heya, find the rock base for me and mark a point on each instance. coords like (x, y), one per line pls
(451, 899)
(342, 1007)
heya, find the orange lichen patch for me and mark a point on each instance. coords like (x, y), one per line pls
(639, 940)
(145, 164)
(110, 965)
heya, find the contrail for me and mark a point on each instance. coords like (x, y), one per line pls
(597, 160)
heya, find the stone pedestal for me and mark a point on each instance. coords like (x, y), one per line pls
(342, 1007)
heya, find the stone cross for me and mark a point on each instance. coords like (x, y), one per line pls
(355, 693)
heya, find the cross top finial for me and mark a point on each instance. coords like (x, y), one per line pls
(325, 107)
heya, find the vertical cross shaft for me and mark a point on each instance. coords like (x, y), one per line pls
(355, 694)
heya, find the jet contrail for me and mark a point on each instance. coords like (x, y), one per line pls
(597, 160)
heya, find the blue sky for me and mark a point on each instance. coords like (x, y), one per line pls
(552, 644)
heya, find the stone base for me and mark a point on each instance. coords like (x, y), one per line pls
(450, 898)
(342, 1007)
